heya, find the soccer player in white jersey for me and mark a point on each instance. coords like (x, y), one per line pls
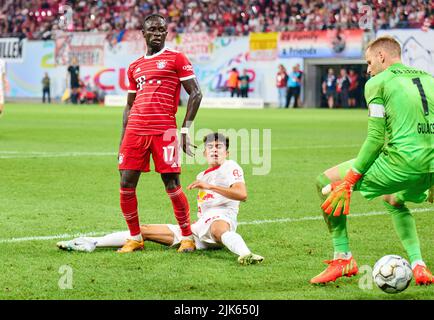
(220, 189)
(2, 84)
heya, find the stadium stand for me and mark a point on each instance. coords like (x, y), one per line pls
(35, 19)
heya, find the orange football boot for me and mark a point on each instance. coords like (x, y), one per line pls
(131, 245)
(422, 275)
(187, 245)
(336, 268)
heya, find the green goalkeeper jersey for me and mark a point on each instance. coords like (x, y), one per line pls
(403, 97)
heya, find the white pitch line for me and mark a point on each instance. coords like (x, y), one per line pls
(320, 217)
(22, 155)
(41, 154)
(254, 222)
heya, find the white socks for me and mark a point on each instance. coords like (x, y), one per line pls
(116, 239)
(137, 237)
(235, 243)
(342, 255)
(187, 237)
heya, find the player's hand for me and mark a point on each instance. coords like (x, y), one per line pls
(199, 185)
(185, 143)
(330, 187)
(340, 196)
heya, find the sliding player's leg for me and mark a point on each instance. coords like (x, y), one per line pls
(89, 244)
(343, 264)
(222, 233)
(159, 233)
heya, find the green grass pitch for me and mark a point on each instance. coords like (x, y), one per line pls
(58, 174)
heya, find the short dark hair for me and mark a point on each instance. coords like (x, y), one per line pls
(216, 137)
(387, 43)
(153, 16)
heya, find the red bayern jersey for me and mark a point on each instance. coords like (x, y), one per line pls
(156, 80)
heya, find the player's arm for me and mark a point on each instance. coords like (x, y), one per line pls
(236, 191)
(186, 75)
(194, 98)
(372, 146)
(132, 91)
(374, 142)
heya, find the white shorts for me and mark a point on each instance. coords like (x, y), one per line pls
(202, 231)
(2, 96)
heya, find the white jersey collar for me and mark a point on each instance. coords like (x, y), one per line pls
(155, 54)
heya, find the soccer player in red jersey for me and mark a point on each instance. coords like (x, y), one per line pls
(149, 128)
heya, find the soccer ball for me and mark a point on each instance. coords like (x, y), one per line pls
(392, 274)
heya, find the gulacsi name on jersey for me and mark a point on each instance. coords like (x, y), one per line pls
(425, 128)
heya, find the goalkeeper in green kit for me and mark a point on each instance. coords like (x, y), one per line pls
(396, 161)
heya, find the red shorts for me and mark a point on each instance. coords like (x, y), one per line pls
(135, 151)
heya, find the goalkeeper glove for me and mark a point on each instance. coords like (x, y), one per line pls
(340, 196)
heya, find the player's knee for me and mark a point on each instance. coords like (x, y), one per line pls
(392, 200)
(128, 180)
(127, 184)
(171, 181)
(218, 228)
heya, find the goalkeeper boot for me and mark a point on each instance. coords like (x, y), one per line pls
(187, 245)
(78, 244)
(422, 275)
(131, 245)
(337, 268)
(250, 258)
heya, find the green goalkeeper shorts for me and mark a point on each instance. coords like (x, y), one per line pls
(380, 180)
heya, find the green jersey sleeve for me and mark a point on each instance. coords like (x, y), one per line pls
(374, 142)
(374, 97)
(372, 146)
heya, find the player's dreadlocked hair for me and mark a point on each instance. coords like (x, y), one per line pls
(153, 16)
(215, 136)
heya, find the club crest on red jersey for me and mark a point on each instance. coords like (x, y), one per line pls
(161, 64)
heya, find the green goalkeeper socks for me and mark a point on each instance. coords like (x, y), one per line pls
(405, 227)
(336, 225)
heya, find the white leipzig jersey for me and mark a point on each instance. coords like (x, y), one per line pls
(224, 175)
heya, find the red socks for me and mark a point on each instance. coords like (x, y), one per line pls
(129, 209)
(181, 209)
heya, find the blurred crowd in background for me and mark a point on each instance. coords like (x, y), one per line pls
(39, 18)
